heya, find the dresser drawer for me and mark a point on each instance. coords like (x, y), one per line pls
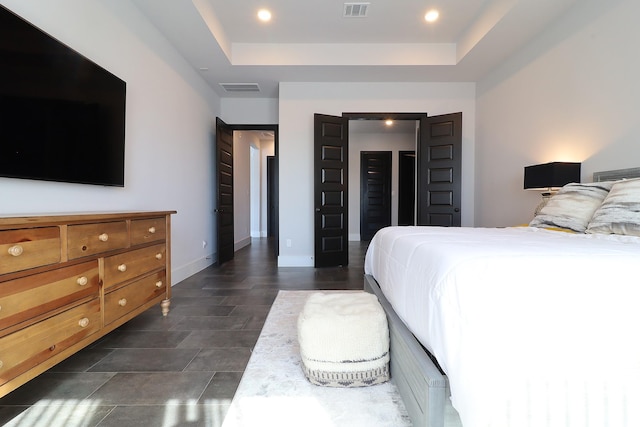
(126, 299)
(126, 266)
(28, 248)
(148, 230)
(90, 239)
(32, 296)
(31, 346)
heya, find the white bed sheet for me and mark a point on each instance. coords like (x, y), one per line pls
(532, 327)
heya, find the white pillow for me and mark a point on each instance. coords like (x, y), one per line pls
(620, 211)
(572, 207)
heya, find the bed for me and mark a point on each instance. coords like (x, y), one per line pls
(518, 326)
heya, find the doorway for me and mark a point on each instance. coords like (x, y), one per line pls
(376, 136)
(406, 187)
(247, 190)
(438, 177)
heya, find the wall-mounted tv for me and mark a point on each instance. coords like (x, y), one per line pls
(62, 117)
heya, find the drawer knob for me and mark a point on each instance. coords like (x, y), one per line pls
(122, 302)
(158, 256)
(103, 237)
(84, 322)
(122, 267)
(82, 280)
(16, 250)
(159, 284)
(152, 230)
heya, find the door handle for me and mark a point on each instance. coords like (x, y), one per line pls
(456, 209)
(317, 209)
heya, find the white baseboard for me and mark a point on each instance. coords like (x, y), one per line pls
(180, 273)
(295, 261)
(241, 243)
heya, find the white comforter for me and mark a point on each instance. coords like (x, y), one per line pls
(532, 327)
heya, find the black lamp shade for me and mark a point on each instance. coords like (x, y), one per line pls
(548, 175)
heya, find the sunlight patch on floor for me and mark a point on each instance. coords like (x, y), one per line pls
(211, 413)
(88, 413)
(56, 413)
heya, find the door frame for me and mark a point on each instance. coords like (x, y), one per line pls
(268, 128)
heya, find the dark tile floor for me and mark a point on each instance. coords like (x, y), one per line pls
(179, 370)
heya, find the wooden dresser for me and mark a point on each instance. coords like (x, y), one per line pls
(67, 280)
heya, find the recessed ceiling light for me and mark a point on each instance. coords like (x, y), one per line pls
(264, 15)
(388, 122)
(431, 16)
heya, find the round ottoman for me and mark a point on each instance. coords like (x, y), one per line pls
(344, 339)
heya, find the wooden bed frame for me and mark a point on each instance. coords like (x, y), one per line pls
(422, 386)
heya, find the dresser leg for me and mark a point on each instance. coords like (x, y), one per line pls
(165, 306)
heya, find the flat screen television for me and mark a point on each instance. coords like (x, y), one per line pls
(62, 117)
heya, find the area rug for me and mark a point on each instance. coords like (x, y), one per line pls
(274, 391)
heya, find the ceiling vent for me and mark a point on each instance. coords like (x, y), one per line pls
(240, 87)
(355, 10)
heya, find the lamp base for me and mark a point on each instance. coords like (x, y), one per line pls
(545, 198)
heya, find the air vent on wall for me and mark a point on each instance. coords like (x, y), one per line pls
(240, 87)
(355, 10)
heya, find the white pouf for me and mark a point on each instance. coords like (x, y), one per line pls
(344, 340)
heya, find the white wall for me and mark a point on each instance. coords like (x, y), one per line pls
(358, 142)
(242, 142)
(170, 116)
(237, 111)
(573, 94)
(298, 103)
(267, 147)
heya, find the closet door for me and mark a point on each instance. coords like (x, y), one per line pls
(439, 170)
(375, 192)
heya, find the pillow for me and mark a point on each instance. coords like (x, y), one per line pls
(620, 211)
(572, 207)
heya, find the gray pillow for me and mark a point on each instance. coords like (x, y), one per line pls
(572, 207)
(620, 211)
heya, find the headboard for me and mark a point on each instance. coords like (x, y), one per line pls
(615, 175)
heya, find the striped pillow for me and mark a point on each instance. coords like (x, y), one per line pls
(620, 211)
(572, 207)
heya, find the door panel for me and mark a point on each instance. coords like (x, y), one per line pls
(375, 192)
(331, 138)
(439, 170)
(224, 174)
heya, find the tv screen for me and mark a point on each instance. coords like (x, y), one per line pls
(62, 117)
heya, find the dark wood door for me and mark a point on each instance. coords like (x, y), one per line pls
(271, 196)
(224, 199)
(439, 170)
(330, 170)
(406, 187)
(375, 192)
